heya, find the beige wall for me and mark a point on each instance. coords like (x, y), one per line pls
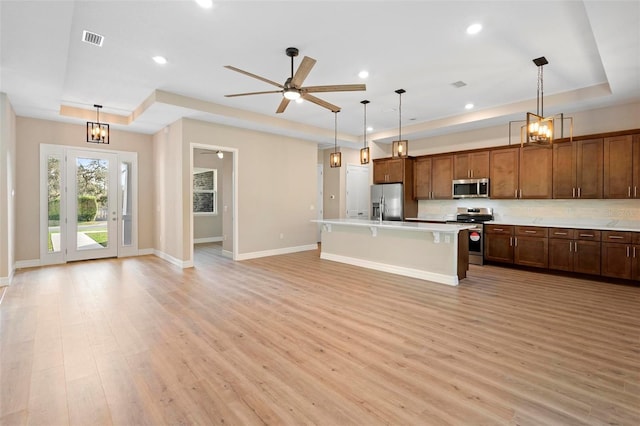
(7, 189)
(334, 189)
(30, 133)
(227, 202)
(210, 226)
(276, 186)
(167, 152)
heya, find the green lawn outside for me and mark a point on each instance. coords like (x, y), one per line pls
(99, 237)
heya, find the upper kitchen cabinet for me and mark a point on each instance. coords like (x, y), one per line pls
(621, 164)
(578, 169)
(389, 170)
(471, 165)
(433, 176)
(503, 173)
(535, 173)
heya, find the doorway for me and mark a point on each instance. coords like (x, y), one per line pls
(213, 198)
(357, 191)
(88, 204)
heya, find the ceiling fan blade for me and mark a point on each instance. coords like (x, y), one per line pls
(283, 105)
(266, 80)
(334, 88)
(303, 71)
(318, 101)
(252, 93)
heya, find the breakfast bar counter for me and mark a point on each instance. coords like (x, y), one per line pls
(429, 251)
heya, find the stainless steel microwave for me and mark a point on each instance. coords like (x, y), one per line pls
(470, 188)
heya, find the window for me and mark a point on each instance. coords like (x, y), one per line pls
(205, 191)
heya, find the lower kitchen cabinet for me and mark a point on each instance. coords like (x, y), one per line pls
(520, 245)
(574, 250)
(620, 255)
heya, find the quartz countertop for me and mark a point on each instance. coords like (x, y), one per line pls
(407, 226)
(576, 223)
(433, 218)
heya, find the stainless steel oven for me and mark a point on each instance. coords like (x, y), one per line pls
(475, 216)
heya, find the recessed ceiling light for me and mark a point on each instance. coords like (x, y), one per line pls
(363, 74)
(160, 60)
(474, 29)
(369, 129)
(205, 4)
(469, 106)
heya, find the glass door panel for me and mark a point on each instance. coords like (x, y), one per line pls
(92, 219)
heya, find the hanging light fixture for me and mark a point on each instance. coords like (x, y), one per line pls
(399, 148)
(335, 159)
(364, 152)
(220, 154)
(97, 132)
(539, 129)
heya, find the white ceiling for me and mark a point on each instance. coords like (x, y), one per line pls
(593, 48)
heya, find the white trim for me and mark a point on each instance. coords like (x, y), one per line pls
(227, 253)
(398, 270)
(207, 240)
(6, 281)
(33, 263)
(275, 252)
(174, 261)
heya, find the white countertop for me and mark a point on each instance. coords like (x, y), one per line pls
(576, 223)
(407, 226)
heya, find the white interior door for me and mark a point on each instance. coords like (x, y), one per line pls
(320, 201)
(357, 191)
(92, 213)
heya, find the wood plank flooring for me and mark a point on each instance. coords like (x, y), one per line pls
(297, 340)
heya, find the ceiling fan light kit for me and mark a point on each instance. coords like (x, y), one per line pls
(400, 148)
(293, 89)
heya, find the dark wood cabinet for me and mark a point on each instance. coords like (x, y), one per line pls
(578, 169)
(471, 165)
(535, 173)
(574, 250)
(635, 258)
(433, 176)
(521, 245)
(503, 173)
(618, 167)
(389, 170)
(498, 243)
(617, 254)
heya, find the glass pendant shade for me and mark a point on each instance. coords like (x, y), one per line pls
(364, 155)
(399, 149)
(335, 160)
(97, 132)
(539, 129)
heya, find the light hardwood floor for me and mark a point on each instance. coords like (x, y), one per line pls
(297, 340)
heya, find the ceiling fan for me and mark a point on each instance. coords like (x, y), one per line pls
(292, 88)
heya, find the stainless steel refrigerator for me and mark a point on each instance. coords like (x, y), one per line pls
(388, 199)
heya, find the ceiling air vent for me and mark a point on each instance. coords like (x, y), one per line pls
(458, 84)
(92, 38)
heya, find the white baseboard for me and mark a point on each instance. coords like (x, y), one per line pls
(174, 261)
(227, 253)
(276, 252)
(207, 240)
(398, 270)
(33, 263)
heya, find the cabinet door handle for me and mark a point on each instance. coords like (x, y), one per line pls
(634, 251)
(570, 247)
(498, 229)
(579, 192)
(531, 232)
(629, 192)
(515, 240)
(615, 237)
(559, 233)
(575, 245)
(635, 192)
(516, 194)
(588, 235)
(573, 192)
(510, 241)
(628, 251)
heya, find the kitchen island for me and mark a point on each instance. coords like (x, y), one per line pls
(429, 251)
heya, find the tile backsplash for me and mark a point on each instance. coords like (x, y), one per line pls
(600, 210)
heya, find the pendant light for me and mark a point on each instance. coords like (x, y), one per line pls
(364, 152)
(335, 159)
(399, 148)
(97, 132)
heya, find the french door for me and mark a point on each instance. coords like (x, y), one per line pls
(88, 200)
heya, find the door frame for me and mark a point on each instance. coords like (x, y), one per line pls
(234, 196)
(46, 150)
